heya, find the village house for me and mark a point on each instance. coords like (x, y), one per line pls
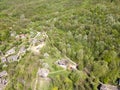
(66, 64)
(62, 63)
(3, 73)
(72, 67)
(11, 51)
(13, 58)
(42, 72)
(45, 65)
(108, 87)
(3, 59)
(42, 40)
(21, 36)
(3, 81)
(46, 55)
(34, 41)
(22, 50)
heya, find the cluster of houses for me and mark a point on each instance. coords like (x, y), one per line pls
(11, 56)
(21, 36)
(37, 39)
(18, 36)
(36, 44)
(64, 63)
(44, 71)
(3, 79)
(15, 54)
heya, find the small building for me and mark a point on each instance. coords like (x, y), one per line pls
(11, 51)
(22, 50)
(13, 58)
(108, 87)
(45, 65)
(3, 59)
(42, 40)
(46, 55)
(42, 72)
(3, 81)
(3, 73)
(66, 64)
(62, 63)
(22, 36)
(34, 41)
(72, 67)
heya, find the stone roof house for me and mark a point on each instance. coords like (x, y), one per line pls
(45, 65)
(108, 87)
(66, 64)
(46, 55)
(3, 59)
(13, 58)
(3, 73)
(3, 81)
(34, 41)
(43, 72)
(22, 36)
(22, 50)
(62, 63)
(11, 51)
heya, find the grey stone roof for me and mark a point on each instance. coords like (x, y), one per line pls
(3, 73)
(22, 49)
(11, 51)
(108, 87)
(62, 62)
(46, 55)
(13, 58)
(3, 59)
(43, 72)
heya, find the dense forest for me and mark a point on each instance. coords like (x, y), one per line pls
(85, 31)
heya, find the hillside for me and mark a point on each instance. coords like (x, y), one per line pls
(59, 44)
